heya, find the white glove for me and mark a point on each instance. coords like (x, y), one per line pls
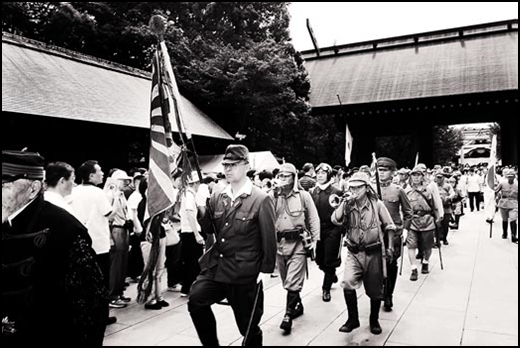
(262, 277)
(405, 234)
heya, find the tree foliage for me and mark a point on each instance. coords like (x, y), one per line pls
(447, 142)
(232, 59)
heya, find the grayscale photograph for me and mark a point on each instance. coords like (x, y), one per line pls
(259, 174)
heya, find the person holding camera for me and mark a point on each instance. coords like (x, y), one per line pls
(120, 227)
(296, 218)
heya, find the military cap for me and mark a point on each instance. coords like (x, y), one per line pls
(359, 179)
(288, 168)
(235, 154)
(417, 170)
(404, 171)
(441, 173)
(22, 165)
(386, 163)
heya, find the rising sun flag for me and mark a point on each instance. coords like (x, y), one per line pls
(489, 188)
(165, 155)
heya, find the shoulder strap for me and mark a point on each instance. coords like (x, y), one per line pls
(425, 199)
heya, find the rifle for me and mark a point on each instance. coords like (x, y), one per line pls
(437, 236)
(386, 281)
(403, 247)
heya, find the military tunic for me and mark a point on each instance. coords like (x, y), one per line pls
(295, 211)
(364, 225)
(508, 203)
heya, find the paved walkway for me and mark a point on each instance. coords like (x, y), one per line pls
(474, 301)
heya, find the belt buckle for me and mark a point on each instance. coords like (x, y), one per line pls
(361, 247)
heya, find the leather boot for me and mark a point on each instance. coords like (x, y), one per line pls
(392, 280)
(504, 228)
(326, 296)
(298, 307)
(514, 239)
(375, 306)
(353, 315)
(292, 302)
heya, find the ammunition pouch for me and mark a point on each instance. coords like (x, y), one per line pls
(368, 249)
(288, 235)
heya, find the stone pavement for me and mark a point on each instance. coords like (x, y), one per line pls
(473, 301)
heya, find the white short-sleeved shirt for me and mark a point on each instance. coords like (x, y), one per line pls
(134, 200)
(202, 195)
(59, 201)
(91, 206)
(473, 183)
(188, 207)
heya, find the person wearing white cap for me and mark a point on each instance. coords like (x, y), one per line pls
(295, 213)
(508, 204)
(121, 225)
(191, 238)
(367, 220)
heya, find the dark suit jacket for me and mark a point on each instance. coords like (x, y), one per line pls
(53, 291)
(245, 238)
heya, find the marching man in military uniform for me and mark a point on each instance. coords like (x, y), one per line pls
(426, 215)
(400, 209)
(297, 222)
(508, 204)
(367, 221)
(244, 251)
(328, 252)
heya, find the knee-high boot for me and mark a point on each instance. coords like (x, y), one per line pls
(514, 238)
(375, 306)
(293, 298)
(353, 314)
(504, 229)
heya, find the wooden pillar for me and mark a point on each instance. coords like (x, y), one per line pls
(509, 129)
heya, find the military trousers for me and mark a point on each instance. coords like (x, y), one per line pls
(362, 268)
(292, 271)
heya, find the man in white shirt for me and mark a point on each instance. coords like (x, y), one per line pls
(473, 188)
(59, 177)
(192, 240)
(93, 209)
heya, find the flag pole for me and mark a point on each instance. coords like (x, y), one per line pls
(183, 130)
(348, 136)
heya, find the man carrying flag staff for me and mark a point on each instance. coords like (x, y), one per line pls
(245, 247)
